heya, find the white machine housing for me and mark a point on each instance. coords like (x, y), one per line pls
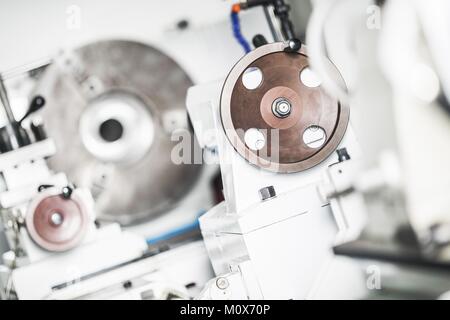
(272, 249)
(108, 263)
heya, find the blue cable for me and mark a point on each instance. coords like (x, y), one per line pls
(176, 232)
(237, 32)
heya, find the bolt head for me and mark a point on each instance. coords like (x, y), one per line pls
(294, 45)
(281, 107)
(66, 192)
(222, 283)
(56, 218)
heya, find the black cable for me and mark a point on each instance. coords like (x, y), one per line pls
(281, 11)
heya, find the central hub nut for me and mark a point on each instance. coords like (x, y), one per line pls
(281, 107)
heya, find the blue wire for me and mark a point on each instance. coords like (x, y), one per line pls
(177, 231)
(237, 32)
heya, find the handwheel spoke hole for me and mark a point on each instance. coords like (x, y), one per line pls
(309, 78)
(314, 137)
(254, 139)
(252, 78)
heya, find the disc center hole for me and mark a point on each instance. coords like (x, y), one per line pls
(111, 130)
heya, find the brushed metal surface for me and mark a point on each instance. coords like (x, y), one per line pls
(132, 178)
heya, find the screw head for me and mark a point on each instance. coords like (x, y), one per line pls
(222, 283)
(66, 192)
(56, 219)
(127, 284)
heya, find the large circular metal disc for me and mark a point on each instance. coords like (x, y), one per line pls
(275, 113)
(111, 108)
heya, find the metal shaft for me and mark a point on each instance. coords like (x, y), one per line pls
(270, 21)
(5, 102)
(12, 137)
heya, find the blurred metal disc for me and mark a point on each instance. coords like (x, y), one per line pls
(56, 223)
(275, 113)
(111, 109)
